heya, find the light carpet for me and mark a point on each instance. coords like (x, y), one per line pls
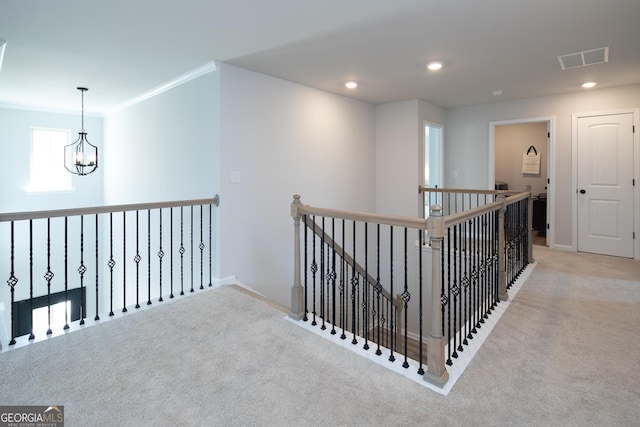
(564, 353)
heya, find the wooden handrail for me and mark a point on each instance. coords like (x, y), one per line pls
(460, 217)
(18, 216)
(422, 189)
(394, 220)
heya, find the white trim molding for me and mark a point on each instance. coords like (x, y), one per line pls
(182, 79)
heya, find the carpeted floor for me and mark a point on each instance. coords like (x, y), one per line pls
(564, 353)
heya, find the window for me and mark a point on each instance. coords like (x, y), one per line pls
(432, 167)
(432, 155)
(47, 172)
(37, 309)
(59, 316)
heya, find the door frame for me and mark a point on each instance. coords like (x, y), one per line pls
(551, 127)
(636, 172)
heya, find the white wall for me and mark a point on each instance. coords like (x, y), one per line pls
(467, 142)
(15, 152)
(285, 139)
(400, 154)
(165, 148)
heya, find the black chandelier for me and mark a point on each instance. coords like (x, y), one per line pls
(81, 157)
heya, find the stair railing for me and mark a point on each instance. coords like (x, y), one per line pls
(449, 294)
(96, 258)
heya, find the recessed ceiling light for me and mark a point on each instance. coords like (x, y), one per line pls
(434, 66)
(588, 85)
(351, 85)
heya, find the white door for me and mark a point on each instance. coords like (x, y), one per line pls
(605, 184)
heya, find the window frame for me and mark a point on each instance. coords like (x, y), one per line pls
(43, 182)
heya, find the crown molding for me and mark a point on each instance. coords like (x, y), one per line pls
(180, 80)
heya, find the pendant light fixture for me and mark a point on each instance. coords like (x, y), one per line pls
(81, 157)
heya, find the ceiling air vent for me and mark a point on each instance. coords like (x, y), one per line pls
(584, 58)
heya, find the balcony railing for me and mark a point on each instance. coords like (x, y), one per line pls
(99, 260)
(371, 278)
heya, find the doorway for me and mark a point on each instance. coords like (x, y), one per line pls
(511, 141)
(605, 184)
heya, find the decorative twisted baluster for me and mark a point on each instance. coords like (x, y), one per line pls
(111, 264)
(181, 250)
(137, 259)
(171, 250)
(49, 276)
(160, 255)
(12, 282)
(81, 270)
(201, 247)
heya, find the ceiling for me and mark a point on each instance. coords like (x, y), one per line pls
(121, 49)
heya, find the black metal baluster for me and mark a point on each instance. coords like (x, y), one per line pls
(97, 316)
(48, 276)
(191, 252)
(392, 312)
(406, 296)
(344, 272)
(306, 267)
(211, 250)
(82, 269)
(111, 263)
(466, 283)
(333, 275)
(314, 270)
(459, 229)
(201, 252)
(455, 290)
(31, 335)
(160, 254)
(448, 297)
(12, 282)
(365, 284)
(182, 250)
(485, 257)
(378, 290)
(481, 299)
(171, 251)
(476, 307)
(420, 308)
(148, 256)
(354, 284)
(443, 296)
(66, 272)
(124, 261)
(137, 259)
(322, 276)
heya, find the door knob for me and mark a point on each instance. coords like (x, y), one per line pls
(582, 191)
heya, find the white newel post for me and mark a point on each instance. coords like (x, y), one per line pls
(436, 371)
(297, 291)
(502, 261)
